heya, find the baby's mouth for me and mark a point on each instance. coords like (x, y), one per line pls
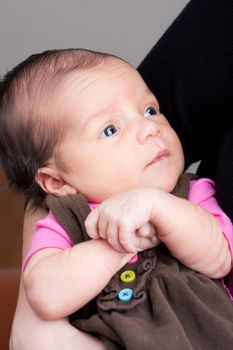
(159, 156)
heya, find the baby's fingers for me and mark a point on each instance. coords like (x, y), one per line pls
(113, 238)
(147, 230)
(126, 240)
(144, 243)
(91, 224)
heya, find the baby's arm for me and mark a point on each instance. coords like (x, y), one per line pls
(30, 332)
(191, 234)
(59, 282)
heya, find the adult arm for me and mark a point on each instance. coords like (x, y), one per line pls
(31, 332)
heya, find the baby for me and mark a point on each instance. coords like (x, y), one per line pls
(83, 127)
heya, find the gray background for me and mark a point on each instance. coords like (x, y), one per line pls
(127, 28)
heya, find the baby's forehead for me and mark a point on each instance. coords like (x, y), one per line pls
(101, 87)
(107, 75)
(98, 94)
(104, 67)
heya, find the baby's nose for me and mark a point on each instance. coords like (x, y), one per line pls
(147, 130)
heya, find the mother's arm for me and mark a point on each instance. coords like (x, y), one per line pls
(29, 331)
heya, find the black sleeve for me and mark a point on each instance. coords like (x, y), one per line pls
(190, 70)
(224, 175)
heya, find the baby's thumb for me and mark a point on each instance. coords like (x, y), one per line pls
(147, 230)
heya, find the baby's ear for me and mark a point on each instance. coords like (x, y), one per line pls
(51, 181)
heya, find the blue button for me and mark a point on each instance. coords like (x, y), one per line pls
(125, 294)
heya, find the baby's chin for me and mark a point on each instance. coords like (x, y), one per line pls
(170, 184)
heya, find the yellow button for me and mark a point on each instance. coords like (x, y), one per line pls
(128, 276)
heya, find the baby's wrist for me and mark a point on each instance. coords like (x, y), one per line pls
(115, 259)
(125, 258)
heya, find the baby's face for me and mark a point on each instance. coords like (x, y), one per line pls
(118, 139)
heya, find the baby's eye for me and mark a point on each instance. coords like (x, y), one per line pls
(109, 131)
(150, 112)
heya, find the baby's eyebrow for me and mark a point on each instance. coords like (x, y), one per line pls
(144, 92)
(148, 92)
(100, 112)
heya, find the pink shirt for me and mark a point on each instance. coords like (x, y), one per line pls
(49, 234)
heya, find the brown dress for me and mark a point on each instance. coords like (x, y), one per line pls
(157, 303)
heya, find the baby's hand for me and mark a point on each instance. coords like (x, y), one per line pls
(124, 221)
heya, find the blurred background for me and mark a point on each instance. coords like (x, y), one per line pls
(126, 28)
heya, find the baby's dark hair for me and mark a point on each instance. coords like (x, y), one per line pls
(28, 131)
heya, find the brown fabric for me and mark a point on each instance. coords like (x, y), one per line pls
(71, 212)
(173, 307)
